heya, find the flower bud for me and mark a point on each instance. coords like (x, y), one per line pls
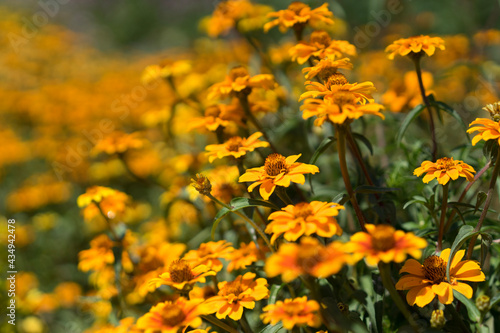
(437, 319)
(494, 110)
(201, 184)
(483, 303)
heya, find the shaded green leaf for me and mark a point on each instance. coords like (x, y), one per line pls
(412, 115)
(472, 310)
(323, 146)
(364, 140)
(448, 109)
(273, 328)
(480, 199)
(273, 293)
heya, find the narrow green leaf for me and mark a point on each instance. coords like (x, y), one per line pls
(364, 140)
(407, 121)
(273, 293)
(448, 109)
(459, 213)
(460, 204)
(240, 202)
(273, 328)
(323, 146)
(220, 215)
(367, 189)
(472, 310)
(465, 232)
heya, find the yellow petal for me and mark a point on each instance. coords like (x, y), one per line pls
(463, 288)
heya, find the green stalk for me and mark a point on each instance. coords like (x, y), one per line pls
(385, 274)
(217, 322)
(345, 175)
(444, 205)
(489, 196)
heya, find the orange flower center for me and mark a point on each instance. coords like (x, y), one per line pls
(212, 111)
(321, 37)
(445, 163)
(302, 210)
(180, 271)
(234, 288)
(342, 98)
(234, 144)
(275, 164)
(383, 238)
(333, 78)
(172, 315)
(435, 269)
(237, 72)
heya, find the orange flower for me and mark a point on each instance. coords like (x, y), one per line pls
(235, 146)
(111, 202)
(327, 67)
(405, 93)
(208, 254)
(277, 171)
(489, 130)
(299, 14)
(337, 84)
(239, 82)
(309, 257)
(383, 243)
(218, 115)
(426, 281)
(118, 143)
(416, 45)
(340, 107)
(238, 294)
(305, 219)
(182, 276)
(98, 256)
(444, 169)
(246, 255)
(170, 317)
(292, 312)
(321, 46)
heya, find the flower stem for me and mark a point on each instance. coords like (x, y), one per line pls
(385, 274)
(244, 324)
(246, 108)
(281, 192)
(243, 216)
(219, 323)
(357, 155)
(489, 196)
(345, 175)
(416, 60)
(462, 196)
(444, 205)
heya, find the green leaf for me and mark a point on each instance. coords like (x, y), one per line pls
(472, 310)
(494, 300)
(341, 198)
(323, 146)
(459, 213)
(273, 328)
(411, 202)
(220, 215)
(465, 232)
(240, 202)
(460, 204)
(367, 189)
(481, 198)
(448, 109)
(273, 293)
(407, 121)
(364, 140)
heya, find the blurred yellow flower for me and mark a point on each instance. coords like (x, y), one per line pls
(383, 243)
(444, 169)
(293, 312)
(416, 45)
(298, 15)
(209, 254)
(319, 47)
(240, 83)
(119, 143)
(235, 146)
(246, 255)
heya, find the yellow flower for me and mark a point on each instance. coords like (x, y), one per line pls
(384, 243)
(246, 255)
(339, 108)
(299, 14)
(489, 130)
(416, 45)
(307, 258)
(326, 67)
(111, 202)
(219, 115)
(98, 256)
(235, 146)
(321, 46)
(235, 295)
(118, 143)
(277, 171)
(443, 170)
(405, 93)
(239, 82)
(170, 317)
(181, 275)
(165, 70)
(208, 254)
(426, 281)
(336, 89)
(293, 312)
(305, 219)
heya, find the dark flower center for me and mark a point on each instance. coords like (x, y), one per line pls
(302, 210)
(275, 164)
(383, 238)
(180, 271)
(435, 269)
(172, 315)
